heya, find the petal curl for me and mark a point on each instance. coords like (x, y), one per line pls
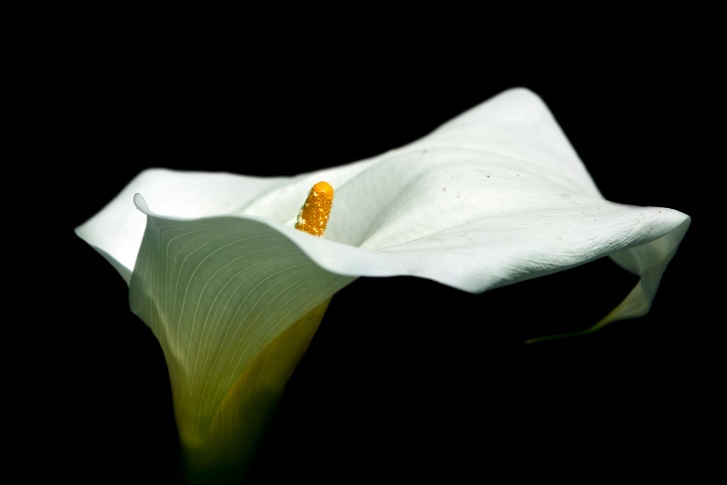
(495, 196)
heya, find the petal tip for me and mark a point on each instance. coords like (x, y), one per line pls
(141, 204)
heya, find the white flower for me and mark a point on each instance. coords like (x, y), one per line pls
(234, 293)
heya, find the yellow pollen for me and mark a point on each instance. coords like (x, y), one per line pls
(313, 216)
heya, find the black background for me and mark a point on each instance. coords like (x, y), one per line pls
(406, 379)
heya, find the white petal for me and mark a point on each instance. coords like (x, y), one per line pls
(495, 196)
(216, 292)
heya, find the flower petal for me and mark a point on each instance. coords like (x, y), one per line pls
(217, 293)
(220, 285)
(496, 196)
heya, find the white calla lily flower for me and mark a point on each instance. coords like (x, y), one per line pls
(234, 292)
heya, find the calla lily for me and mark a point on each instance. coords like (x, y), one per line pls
(234, 293)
